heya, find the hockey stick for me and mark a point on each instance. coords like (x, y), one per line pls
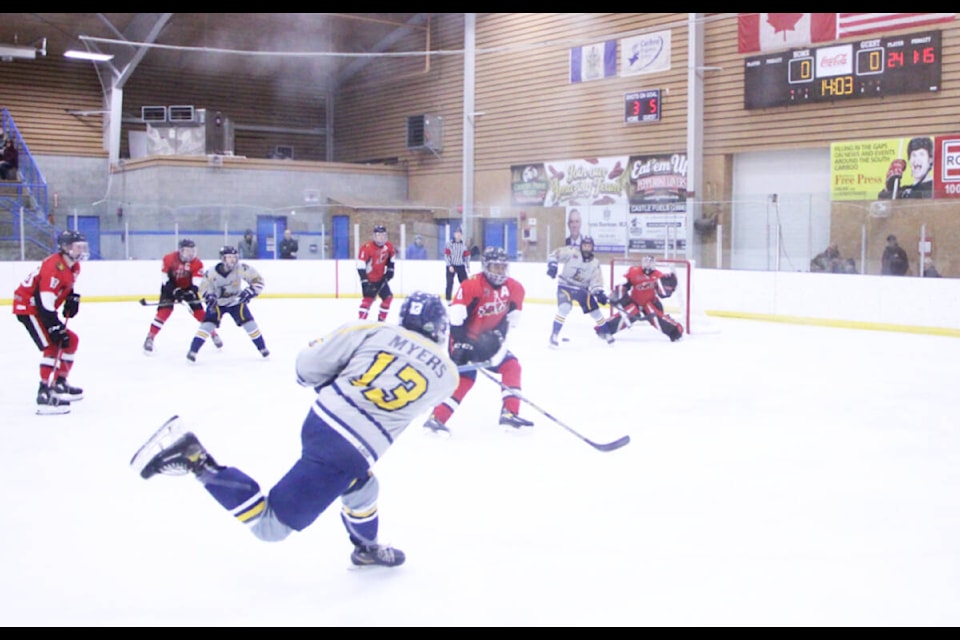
(599, 446)
(57, 358)
(626, 322)
(473, 366)
(145, 303)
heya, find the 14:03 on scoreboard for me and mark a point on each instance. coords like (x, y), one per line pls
(879, 67)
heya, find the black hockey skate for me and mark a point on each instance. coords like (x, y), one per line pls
(64, 391)
(377, 555)
(432, 425)
(48, 404)
(217, 340)
(148, 344)
(513, 421)
(172, 451)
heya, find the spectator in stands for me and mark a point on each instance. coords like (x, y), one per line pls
(288, 246)
(894, 261)
(10, 162)
(829, 261)
(248, 246)
(417, 251)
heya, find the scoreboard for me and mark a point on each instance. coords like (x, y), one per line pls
(867, 69)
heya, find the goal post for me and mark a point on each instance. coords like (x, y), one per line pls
(678, 305)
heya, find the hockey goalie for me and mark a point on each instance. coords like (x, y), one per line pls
(638, 299)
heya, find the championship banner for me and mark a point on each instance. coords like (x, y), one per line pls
(888, 169)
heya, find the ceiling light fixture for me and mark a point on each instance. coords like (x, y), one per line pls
(87, 55)
(12, 51)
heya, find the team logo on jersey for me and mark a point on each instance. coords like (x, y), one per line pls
(495, 306)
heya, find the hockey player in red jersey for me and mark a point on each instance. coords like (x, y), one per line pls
(35, 303)
(639, 298)
(375, 268)
(182, 272)
(483, 312)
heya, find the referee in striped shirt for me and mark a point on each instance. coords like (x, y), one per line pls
(456, 255)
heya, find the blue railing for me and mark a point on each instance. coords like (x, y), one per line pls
(27, 194)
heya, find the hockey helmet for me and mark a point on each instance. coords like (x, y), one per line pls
(425, 314)
(229, 256)
(73, 244)
(648, 264)
(586, 248)
(495, 265)
(379, 235)
(188, 250)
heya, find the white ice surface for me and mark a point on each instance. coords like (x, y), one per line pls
(777, 475)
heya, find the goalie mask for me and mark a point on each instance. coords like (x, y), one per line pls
(495, 265)
(586, 248)
(188, 250)
(648, 264)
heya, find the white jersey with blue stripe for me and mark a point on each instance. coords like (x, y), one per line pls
(374, 379)
(574, 272)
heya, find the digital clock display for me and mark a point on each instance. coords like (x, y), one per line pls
(642, 106)
(867, 69)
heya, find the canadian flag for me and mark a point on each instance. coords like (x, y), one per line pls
(772, 31)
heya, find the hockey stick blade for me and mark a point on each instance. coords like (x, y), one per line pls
(599, 446)
(609, 446)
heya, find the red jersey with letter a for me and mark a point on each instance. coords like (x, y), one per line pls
(644, 287)
(375, 259)
(183, 272)
(487, 305)
(53, 276)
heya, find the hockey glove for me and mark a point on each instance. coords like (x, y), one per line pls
(669, 282)
(552, 269)
(247, 295)
(210, 300)
(178, 294)
(487, 345)
(190, 295)
(462, 352)
(59, 336)
(895, 172)
(168, 291)
(388, 274)
(600, 297)
(71, 305)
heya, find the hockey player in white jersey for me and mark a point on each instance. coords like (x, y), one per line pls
(580, 281)
(371, 380)
(227, 289)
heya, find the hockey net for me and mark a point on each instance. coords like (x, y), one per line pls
(682, 304)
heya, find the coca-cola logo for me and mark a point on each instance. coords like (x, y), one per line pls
(837, 60)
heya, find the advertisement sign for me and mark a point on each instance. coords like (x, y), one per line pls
(626, 203)
(888, 169)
